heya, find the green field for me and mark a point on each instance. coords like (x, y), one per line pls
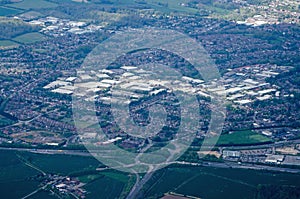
(104, 188)
(8, 11)
(106, 184)
(7, 44)
(204, 182)
(33, 4)
(116, 175)
(14, 175)
(62, 164)
(31, 15)
(241, 138)
(43, 195)
(159, 5)
(212, 183)
(173, 5)
(89, 178)
(15, 181)
(29, 38)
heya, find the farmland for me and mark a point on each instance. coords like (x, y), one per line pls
(61, 164)
(172, 5)
(7, 44)
(204, 182)
(15, 173)
(31, 15)
(104, 188)
(30, 38)
(4, 11)
(33, 4)
(213, 183)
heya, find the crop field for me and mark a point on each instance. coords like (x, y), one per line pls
(17, 189)
(161, 5)
(105, 187)
(43, 195)
(7, 44)
(211, 183)
(116, 175)
(15, 174)
(29, 38)
(61, 164)
(31, 15)
(204, 182)
(33, 4)
(4, 11)
(173, 5)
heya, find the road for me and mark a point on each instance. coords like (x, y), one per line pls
(276, 144)
(34, 192)
(236, 165)
(210, 164)
(135, 191)
(49, 151)
(260, 146)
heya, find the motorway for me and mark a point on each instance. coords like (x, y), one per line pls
(276, 144)
(49, 151)
(260, 146)
(236, 165)
(205, 164)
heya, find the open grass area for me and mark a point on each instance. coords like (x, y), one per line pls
(34, 137)
(33, 4)
(31, 15)
(172, 5)
(181, 6)
(4, 44)
(159, 5)
(29, 38)
(241, 138)
(4, 11)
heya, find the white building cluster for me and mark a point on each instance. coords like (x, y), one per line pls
(242, 85)
(248, 84)
(59, 27)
